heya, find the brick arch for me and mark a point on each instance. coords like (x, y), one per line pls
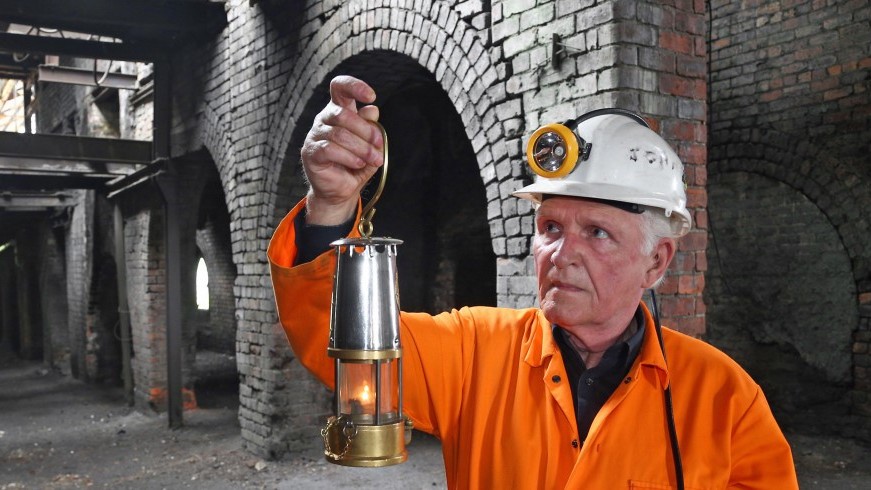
(220, 150)
(836, 191)
(436, 39)
(828, 183)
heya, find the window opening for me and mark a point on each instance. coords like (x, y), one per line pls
(202, 285)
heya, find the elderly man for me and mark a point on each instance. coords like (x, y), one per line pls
(586, 391)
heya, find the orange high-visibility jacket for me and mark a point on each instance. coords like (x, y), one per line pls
(491, 384)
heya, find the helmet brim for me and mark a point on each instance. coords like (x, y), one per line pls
(681, 221)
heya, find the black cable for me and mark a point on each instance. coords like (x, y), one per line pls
(610, 110)
(669, 406)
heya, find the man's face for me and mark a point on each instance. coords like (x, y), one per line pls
(589, 262)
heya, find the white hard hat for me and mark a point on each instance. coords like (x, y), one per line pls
(610, 155)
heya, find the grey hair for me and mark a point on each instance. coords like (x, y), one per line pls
(655, 226)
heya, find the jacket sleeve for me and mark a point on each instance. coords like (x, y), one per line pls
(302, 297)
(761, 456)
(433, 357)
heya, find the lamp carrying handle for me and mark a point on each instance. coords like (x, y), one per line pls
(365, 226)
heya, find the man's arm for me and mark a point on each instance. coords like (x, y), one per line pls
(761, 457)
(340, 154)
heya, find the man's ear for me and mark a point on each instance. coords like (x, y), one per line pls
(660, 258)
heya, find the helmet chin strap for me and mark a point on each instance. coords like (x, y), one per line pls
(669, 406)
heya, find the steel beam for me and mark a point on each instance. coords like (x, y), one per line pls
(169, 187)
(168, 184)
(83, 76)
(38, 166)
(50, 182)
(44, 45)
(130, 19)
(12, 201)
(79, 148)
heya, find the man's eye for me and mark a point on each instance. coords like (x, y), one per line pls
(551, 227)
(600, 233)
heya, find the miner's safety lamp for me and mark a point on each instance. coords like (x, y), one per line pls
(367, 427)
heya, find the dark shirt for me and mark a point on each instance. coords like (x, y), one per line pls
(592, 387)
(313, 240)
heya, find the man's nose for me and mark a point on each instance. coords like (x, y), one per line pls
(566, 253)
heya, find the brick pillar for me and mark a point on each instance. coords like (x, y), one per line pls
(668, 77)
(79, 267)
(146, 286)
(53, 300)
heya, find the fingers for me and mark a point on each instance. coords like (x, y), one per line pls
(370, 113)
(345, 92)
(360, 138)
(324, 153)
(341, 124)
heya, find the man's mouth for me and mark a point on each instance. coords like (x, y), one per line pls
(565, 286)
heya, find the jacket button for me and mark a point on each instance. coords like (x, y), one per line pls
(575, 443)
(628, 379)
(590, 381)
(556, 378)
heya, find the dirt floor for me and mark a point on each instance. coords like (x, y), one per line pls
(58, 433)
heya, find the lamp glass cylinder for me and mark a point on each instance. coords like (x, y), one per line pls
(368, 391)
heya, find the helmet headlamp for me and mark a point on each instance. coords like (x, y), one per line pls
(553, 151)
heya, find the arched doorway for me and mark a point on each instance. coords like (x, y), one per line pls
(216, 376)
(434, 199)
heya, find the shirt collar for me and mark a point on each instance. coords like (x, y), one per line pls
(540, 344)
(620, 355)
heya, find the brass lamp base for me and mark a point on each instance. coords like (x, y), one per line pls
(369, 446)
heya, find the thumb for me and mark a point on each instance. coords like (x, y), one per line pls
(346, 91)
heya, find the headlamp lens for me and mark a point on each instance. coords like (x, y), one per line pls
(550, 151)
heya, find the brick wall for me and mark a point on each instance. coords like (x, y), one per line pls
(790, 110)
(248, 96)
(778, 263)
(491, 61)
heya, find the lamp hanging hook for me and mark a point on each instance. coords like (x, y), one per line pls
(365, 227)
